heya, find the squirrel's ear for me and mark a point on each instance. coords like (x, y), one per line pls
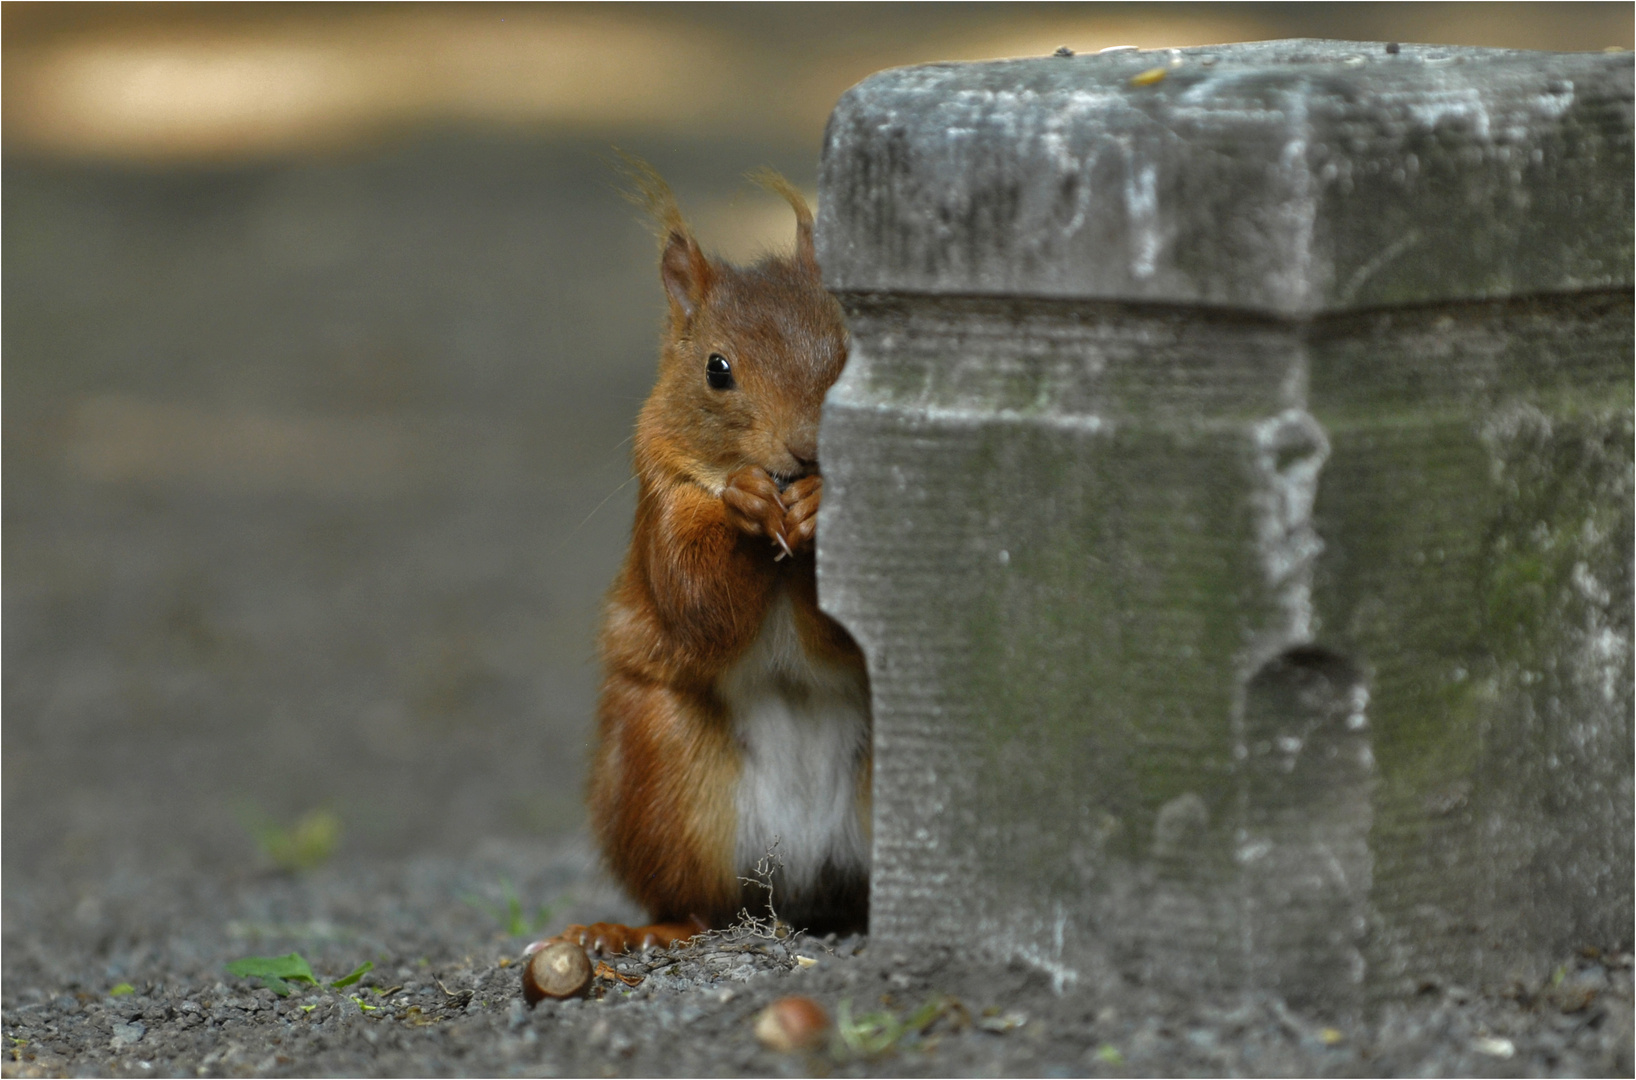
(682, 266)
(685, 272)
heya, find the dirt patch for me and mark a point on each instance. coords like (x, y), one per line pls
(126, 976)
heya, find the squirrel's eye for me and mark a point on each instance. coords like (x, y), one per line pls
(718, 372)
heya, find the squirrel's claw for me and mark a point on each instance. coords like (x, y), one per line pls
(611, 938)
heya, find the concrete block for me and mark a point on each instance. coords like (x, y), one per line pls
(1231, 486)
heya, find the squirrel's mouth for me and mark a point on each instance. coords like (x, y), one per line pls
(785, 479)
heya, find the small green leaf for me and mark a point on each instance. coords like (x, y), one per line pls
(275, 972)
(515, 924)
(361, 1005)
(354, 975)
(1109, 1054)
(308, 1008)
(302, 846)
(844, 1026)
(121, 990)
(868, 1034)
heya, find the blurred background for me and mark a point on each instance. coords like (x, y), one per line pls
(324, 328)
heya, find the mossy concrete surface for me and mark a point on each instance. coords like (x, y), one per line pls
(1278, 644)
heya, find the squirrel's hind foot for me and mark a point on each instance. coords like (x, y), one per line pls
(618, 938)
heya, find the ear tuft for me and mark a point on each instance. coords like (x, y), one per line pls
(771, 180)
(648, 190)
(682, 265)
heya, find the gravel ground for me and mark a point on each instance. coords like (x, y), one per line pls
(129, 980)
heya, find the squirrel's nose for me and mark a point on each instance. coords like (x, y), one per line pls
(805, 452)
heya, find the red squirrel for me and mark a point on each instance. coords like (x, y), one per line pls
(734, 713)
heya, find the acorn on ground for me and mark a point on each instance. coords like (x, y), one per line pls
(792, 1023)
(560, 969)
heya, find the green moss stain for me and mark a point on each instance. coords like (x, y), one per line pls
(1101, 644)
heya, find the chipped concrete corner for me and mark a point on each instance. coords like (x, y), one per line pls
(1231, 487)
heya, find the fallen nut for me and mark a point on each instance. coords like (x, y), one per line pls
(559, 970)
(791, 1023)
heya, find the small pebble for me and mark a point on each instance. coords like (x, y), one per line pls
(1500, 1048)
(1002, 1023)
(126, 1034)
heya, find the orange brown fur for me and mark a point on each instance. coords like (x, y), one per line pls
(728, 486)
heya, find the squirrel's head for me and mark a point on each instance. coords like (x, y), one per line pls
(748, 352)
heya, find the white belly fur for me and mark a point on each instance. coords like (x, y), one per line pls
(803, 729)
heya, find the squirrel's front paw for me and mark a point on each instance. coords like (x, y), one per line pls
(801, 501)
(754, 505)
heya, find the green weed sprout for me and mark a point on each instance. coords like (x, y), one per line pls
(303, 846)
(875, 1033)
(512, 916)
(278, 972)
